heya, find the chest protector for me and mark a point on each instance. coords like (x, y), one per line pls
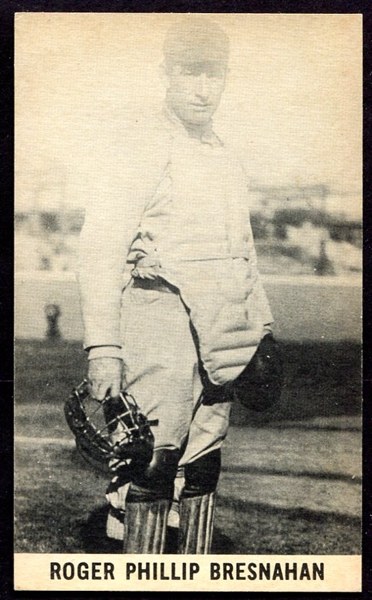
(203, 243)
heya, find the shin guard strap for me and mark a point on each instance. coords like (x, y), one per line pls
(196, 524)
(145, 527)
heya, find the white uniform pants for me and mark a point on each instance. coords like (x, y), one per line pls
(162, 371)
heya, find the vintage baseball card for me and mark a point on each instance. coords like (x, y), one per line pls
(188, 302)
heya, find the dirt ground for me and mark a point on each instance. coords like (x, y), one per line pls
(288, 486)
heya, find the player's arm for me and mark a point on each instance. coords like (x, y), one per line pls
(119, 189)
(105, 239)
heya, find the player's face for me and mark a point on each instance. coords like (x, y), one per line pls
(194, 91)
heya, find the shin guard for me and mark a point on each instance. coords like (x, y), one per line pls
(145, 527)
(196, 524)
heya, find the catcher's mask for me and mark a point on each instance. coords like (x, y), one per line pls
(112, 430)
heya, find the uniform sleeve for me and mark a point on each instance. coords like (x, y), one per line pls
(104, 242)
(121, 183)
(258, 298)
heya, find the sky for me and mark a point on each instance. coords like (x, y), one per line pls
(292, 104)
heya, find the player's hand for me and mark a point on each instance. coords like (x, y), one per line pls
(105, 376)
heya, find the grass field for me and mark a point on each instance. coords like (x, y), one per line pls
(291, 478)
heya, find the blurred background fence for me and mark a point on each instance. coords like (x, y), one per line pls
(299, 230)
(308, 241)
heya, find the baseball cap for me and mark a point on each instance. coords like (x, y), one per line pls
(196, 40)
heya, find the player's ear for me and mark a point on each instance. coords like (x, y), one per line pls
(226, 72)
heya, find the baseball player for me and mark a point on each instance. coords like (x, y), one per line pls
(173, 209)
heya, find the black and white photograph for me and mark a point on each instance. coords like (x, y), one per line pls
(188, 282)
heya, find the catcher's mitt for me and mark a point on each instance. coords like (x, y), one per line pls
(259, 386)
(109, 431)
